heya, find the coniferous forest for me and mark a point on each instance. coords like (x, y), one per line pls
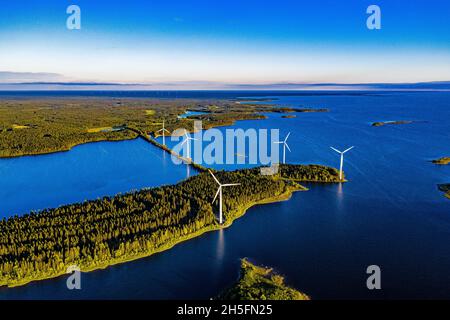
(99, 233)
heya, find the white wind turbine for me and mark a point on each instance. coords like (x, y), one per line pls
(342, 159)
(285, 145)
(219, 192)
(163, 130)
(188, 143)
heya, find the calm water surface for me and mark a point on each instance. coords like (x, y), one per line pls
(390, 213)
(86, 172)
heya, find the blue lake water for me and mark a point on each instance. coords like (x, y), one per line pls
(390, 213)
(86, 172)
(191, 113)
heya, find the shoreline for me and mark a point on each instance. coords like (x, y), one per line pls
(238, 213)
(70, 148)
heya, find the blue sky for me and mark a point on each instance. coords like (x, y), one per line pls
(229, 41)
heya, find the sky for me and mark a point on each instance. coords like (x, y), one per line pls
(225, 42)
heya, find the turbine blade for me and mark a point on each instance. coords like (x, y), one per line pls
(348, 149)
(183, 142)
(287, 146)
(285, 139)
(217, 193)
(335, 150)
(231, 184)
(166, 130)
(279, 142)
(215, 177)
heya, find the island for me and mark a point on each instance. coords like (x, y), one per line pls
(445, 188)
(289, 116)
(260, 283)
(96, 234)
(441, 161)
(300, 110)
(384, 123)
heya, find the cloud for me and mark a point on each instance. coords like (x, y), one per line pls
(20, 77)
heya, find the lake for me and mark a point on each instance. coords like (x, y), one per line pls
(86, 172)
(190, 113)
(389, 213)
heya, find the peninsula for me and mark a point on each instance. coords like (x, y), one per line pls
(96, 234)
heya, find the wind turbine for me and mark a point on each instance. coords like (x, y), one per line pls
(342, 159)
(187, 143)
(285, 145)
(163, 134)
(219, 192)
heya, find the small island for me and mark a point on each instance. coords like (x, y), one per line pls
(300, 110)
(384, 123)
(289, 116)
(260, 283)
(445, 188)
(441, 161)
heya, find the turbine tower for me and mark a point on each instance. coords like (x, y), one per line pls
(163, 130)
(342, 159)
(186, 140)
(219, 192)
(285, 145)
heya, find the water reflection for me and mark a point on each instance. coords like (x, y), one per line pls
(188, 170)
(340, 193)
(220, 250)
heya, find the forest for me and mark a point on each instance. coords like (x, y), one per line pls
(260, 283)
(39, 126)
(309, 173)
(95, 234)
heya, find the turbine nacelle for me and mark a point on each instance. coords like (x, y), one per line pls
(342, 152)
